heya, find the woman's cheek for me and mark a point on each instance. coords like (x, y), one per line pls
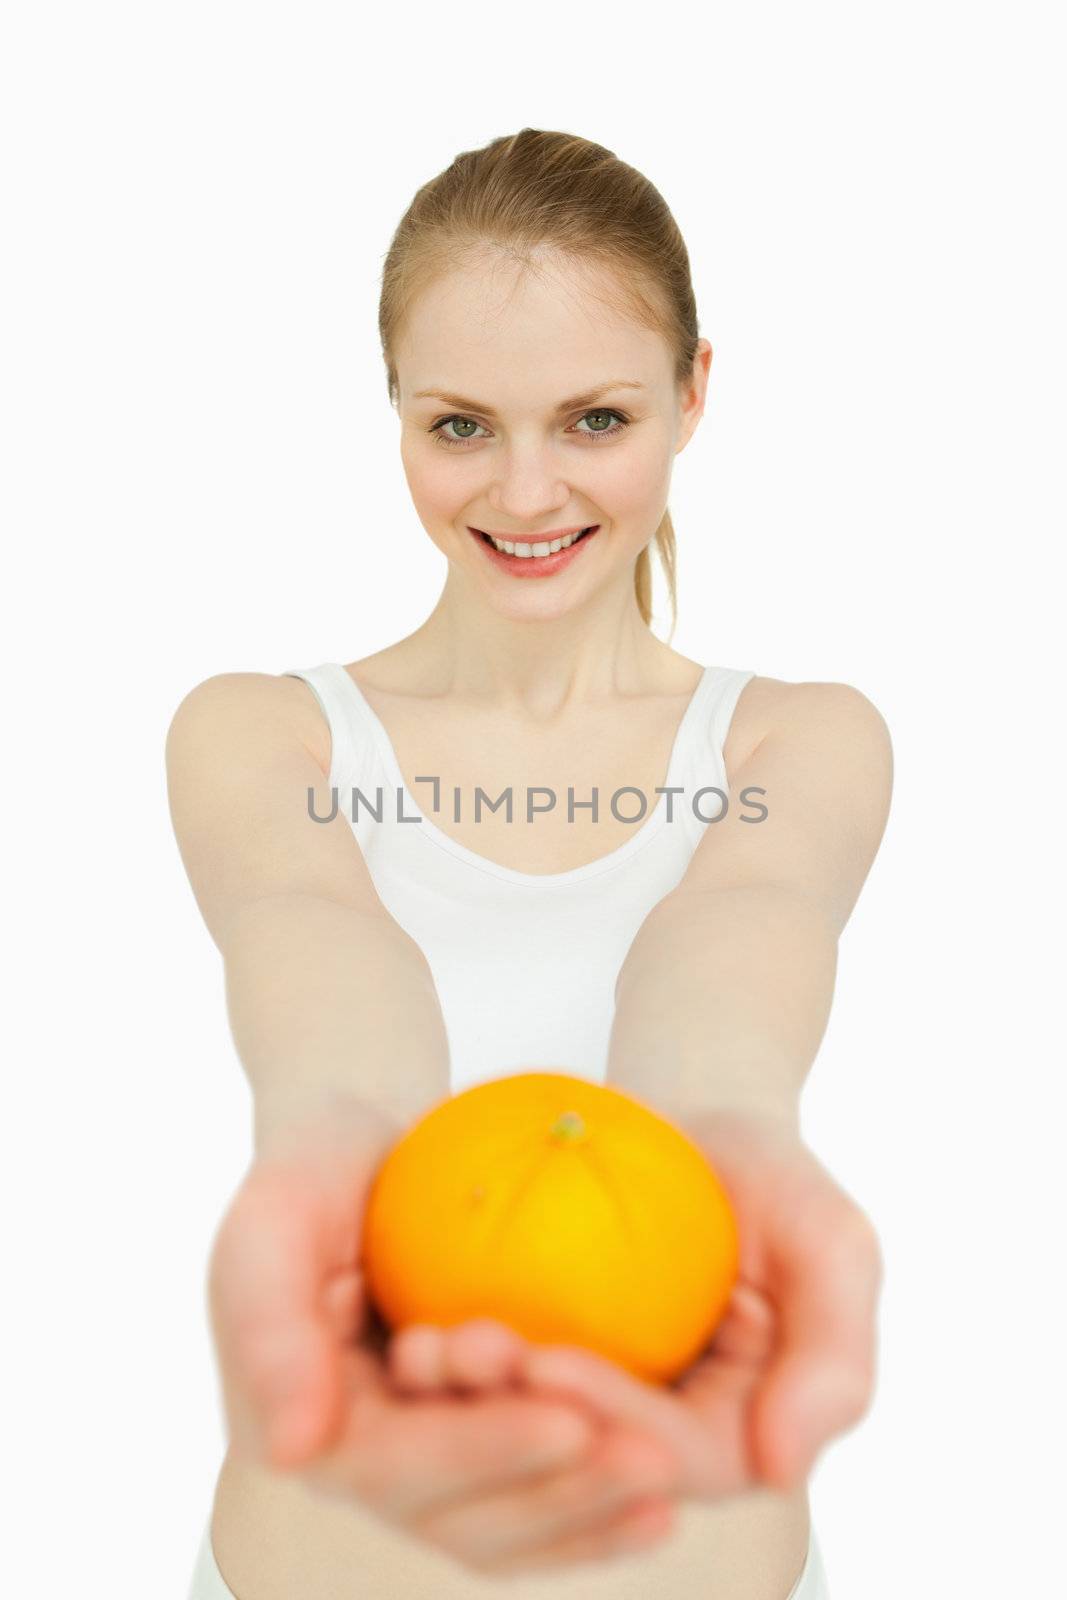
(632, 480)
(438, 491)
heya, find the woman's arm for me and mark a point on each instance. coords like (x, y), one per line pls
(720, 1006)
(338, 1025)
(328, 1000)
(328, 997)
(726, 990)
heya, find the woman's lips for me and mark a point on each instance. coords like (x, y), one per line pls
(533, 566)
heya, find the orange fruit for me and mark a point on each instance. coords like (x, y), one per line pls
(567, 1209)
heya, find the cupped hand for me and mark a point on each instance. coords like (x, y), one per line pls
(497, 1476)
(792, 1363)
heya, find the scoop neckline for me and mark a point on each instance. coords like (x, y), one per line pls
(590, 869)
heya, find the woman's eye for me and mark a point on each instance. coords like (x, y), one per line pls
(449, 438)
(598, 429)
(601, 417)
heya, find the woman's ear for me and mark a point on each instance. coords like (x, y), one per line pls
(694, 394)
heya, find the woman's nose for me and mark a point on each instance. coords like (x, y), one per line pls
(527, 485)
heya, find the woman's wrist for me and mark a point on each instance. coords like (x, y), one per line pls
(291, 1121)
(770, 1116)
(768, 1107)
(753, 1090)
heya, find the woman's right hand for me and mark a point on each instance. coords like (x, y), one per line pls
(503, 1481)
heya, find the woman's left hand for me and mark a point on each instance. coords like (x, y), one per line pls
(792, 1363)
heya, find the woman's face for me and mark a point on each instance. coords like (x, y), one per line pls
(529, 410)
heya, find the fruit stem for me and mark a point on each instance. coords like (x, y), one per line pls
(569, 1126)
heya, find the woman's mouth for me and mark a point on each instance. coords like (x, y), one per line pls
(534, 558)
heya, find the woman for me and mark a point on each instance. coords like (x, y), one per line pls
(540, 339)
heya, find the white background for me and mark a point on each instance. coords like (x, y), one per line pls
(201, 474)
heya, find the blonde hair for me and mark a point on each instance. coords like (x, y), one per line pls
(534, 189)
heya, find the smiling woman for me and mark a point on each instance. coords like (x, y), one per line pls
(533, 231)
(374, 968)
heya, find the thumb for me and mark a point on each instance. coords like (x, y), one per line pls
(278, 1351)
(827, 1271)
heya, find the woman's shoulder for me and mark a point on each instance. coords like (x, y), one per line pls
(274, 704)
(769, 705)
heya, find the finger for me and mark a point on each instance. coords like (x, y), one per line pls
(746, 1334)
(479, 1354)
(344, 1305)
(826, 1268)
(482, 1353)
(622, 1468)
(616, 1395)
(415, 1359)
(276, 1349)
(411, 1457)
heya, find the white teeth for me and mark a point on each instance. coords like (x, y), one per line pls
(526, 551)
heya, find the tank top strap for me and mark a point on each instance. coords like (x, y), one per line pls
(724, 690)
(701, 765)
(354, 753)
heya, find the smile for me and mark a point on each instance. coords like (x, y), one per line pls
(538, 559)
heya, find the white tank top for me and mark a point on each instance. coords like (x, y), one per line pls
(524, 963)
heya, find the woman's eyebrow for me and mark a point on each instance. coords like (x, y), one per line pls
(570, 404)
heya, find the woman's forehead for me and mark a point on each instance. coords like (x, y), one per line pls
(466, 339)
(491, 294)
